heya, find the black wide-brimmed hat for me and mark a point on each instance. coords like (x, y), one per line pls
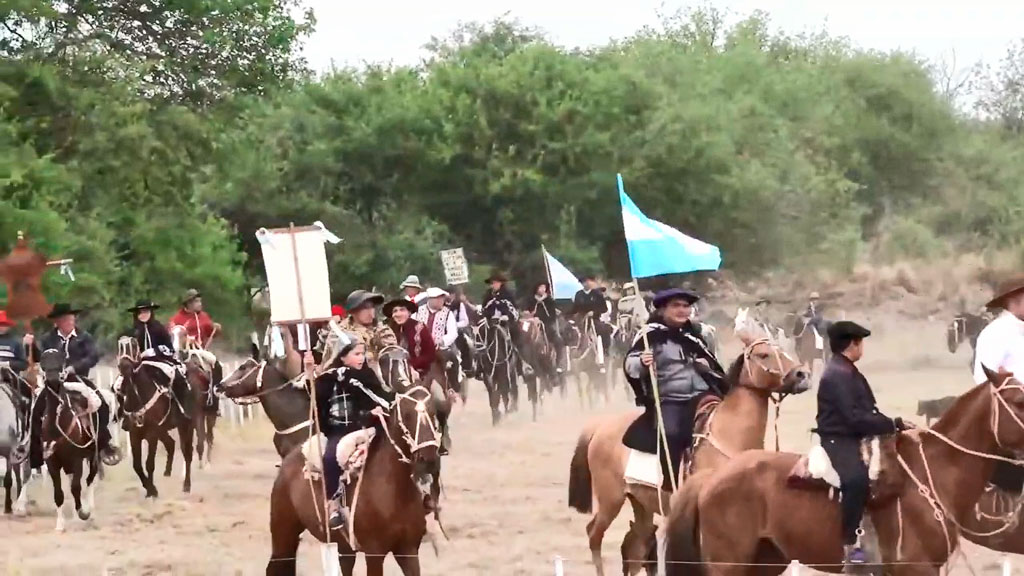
(846, 330)
(143, 304)
(63, 309)
(390, 306)
(662, 298)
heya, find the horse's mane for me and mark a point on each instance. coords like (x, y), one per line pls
(732, 376)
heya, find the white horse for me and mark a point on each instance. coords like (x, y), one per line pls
(744, 322)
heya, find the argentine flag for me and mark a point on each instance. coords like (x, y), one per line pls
(656, 249)
(564, 284)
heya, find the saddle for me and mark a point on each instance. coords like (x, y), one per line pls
(642, 464)
(352, 452)
(814, 470)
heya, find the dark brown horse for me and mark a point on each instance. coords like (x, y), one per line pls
(539, 353)
(496, 357)
(597, 473)
(69, 433)
(152, 408)
(388, 512)
(201, 369)
(748, 511)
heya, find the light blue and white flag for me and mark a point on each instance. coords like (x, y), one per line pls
(564, 284)
(656, 248)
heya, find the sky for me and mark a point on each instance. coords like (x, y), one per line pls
(349, 33)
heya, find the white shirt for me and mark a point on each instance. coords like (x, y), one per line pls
(1000, 345)
(463, 321)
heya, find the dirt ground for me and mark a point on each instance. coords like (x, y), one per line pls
(505, 508)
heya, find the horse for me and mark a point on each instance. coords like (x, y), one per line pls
(201, 371)
(583, 357)
(743, 321)
(750, 511)
(539, 353)
(388, 515)
(69, 432)
(966, 327)
(810, 344)
(996, 522)
(152, 410)
(723, 429)
(15, 407)
(497, 360)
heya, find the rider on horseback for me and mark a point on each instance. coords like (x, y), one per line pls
(460, 309)
(410, 334)
(152, 336)
(199, 326)
(812, 314)
(412, 289)
(686, 371)
(439, 319)
(12, 351)
(350, 401)
(632, 307)
(543, 308)
(362, 321)
(590, 303)
(499, 302)
(81, 356)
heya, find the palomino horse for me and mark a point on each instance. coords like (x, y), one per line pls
(15, 406)
(737, 423)
(748, 511)
(202, 371)
(388, 512)
(285, 400)
(151, 410)
(965, 327)
(497, 358)
(69, 433)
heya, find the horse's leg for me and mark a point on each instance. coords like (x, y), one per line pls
(211, 423)
(152, 443)
(168, 442)
(58, 491)
(347, 562)
(634, 544)
(285, 529)
(408, 560)
(76, 487)
(8, 483)
(605, 511)
(23, 477)
(185, 437)
(135, 441)
(494, 398)
(375, 565)
(199, 427)
(531, 392)
(89, 505)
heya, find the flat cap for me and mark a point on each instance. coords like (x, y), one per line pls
(844, 329)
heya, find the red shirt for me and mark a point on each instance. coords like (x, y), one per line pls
(198, 325)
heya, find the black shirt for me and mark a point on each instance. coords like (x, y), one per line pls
(592, 301)
(846, 404)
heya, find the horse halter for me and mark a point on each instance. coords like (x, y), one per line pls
(405, 370)
(748, 358)
(259, 368)
(412, 439)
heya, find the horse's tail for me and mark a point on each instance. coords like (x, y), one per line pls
(682, 533)
(581, 494)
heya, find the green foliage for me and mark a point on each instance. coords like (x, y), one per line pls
(788, 152)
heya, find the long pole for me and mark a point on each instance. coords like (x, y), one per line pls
(309, 375)
(662, 435)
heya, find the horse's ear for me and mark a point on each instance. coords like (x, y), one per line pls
(996, 378)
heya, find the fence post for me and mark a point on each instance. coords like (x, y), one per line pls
(559, 566)
(794, 568)
(1007, 567)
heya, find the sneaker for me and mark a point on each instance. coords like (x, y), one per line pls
(854, 555)
(338, 515)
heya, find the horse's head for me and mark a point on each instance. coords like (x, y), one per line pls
(1007, 410)
(395, 370)
(414, 421)
(254, 347)
(245, 382)
(51, 362)
(955, 333)
(127, 356)
(739, 323)
(764, 365)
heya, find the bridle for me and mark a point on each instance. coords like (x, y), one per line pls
(128, 349)
(259, 367)
(424, 420)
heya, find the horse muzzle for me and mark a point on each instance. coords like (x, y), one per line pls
(797, 381)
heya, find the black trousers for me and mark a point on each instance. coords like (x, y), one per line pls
(678, 416)
(844, 452)
(551, 330)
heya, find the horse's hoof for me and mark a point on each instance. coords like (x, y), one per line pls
(167, 473)
(20, 513)
(187, 488)
(84, 514)
(152, 493)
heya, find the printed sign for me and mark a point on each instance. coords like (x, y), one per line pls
(456, 269)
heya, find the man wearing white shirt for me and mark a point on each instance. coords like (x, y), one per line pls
(440, 320)
(1001, 343)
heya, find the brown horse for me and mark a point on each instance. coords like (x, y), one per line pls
(997, 521)
(388, 512)
(285, 400)
(539, 353)
(151, 410)
(748, 511)
(811, 345)
(69, 435)
(738, 423)
(201, 369)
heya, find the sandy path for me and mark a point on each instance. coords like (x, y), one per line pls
(506, 489)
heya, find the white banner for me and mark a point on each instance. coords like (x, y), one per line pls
(456, 269)
(286, 264)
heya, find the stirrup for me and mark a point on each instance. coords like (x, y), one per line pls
(111, 456)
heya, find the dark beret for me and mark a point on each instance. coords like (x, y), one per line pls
(665, 296)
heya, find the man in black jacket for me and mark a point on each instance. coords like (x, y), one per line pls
(12, 351)
(81, 356)
(590, 303)
(846, 415)
(500, 302)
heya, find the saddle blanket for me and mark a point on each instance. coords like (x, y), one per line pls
(92, 398)
(351, 453)
(818, 465)
(643, 468)
(204, 358)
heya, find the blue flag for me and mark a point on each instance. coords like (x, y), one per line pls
(656, 249)
(564, 284)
